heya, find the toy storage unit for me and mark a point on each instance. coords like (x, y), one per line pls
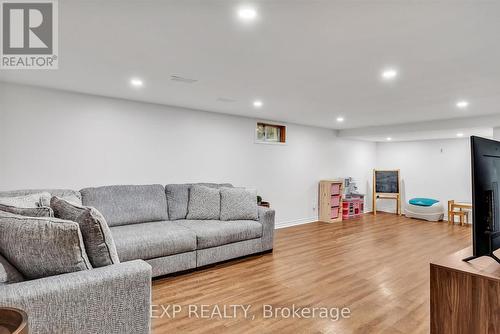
(352, 207)
(330, 200)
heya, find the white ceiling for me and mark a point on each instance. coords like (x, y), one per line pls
(309, 61)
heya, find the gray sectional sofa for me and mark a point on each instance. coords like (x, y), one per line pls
(153, 238)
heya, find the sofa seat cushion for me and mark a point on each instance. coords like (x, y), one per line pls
(213, 233)
(8, 274)
(152, 240)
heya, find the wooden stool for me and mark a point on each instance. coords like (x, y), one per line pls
(462, 217)
(452, 207)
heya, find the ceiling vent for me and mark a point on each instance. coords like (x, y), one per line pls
(181, 79)
(225, 100)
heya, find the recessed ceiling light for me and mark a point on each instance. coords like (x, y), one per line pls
(460, 134)
(247, 14)
(388, 138)
(389, 74)
(257, 103)
(340, 119)
(462, 104)
(136, 82)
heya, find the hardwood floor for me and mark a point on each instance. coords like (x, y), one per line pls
(378, 267)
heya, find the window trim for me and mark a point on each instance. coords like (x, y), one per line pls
(283, 133)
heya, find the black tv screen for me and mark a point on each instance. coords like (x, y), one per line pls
(485, 196)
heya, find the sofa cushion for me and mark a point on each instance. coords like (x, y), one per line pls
(152, 240)
(27, 201)
(8, 274)
(43, 211)
(69, 195)
(128, 204)
(212, 233)
(41, 247)
(178, 197)
(204, 203)
(97, 238)
(238, 204)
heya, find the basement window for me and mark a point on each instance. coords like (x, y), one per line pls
(270, 133)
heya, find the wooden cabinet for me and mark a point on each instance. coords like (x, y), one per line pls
(330, 201)
(465, 295)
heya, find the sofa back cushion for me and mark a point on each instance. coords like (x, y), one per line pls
(178, 197)
(128, 204)
(41, 247)
(96, 235)
(27, 201)
(69, 195)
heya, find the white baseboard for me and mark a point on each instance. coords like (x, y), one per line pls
(296, 222)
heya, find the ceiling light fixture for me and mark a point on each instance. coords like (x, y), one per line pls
(257, 104)
(340, 119)
(136, 82)
(247, 14)
(462, 104)
(460, 134)
(389, 74)
(388, 138)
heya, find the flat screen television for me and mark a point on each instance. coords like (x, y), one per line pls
(485, 197)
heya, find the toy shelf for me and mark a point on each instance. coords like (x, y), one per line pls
(330, 201)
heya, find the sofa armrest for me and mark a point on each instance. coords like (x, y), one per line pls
(111, 299)
(266, 218)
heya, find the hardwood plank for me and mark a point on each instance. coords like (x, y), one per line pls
(377, 266)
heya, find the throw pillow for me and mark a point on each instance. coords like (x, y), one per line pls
(238, 204)
(27, 201)
(204, 203)
(95, 231)
(41, 247)
(43, 211)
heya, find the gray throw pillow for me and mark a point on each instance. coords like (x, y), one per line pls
(41, 247)
(8, 274)
(27, 201)
(238, 204)
(96, 234)
(43, 211)
(204, 203)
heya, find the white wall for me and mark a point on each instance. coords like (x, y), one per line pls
(439, 169)
(59, 139)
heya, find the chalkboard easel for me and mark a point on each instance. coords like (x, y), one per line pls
(386, 186)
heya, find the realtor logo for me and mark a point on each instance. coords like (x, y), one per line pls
(29, 34)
